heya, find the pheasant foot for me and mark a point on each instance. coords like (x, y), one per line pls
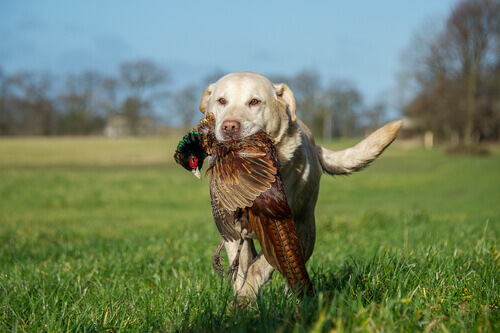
(216, 258)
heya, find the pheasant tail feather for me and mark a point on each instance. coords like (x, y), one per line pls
(281, 247)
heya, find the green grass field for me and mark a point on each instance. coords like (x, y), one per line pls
(111, 235)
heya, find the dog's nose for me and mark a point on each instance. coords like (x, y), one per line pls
(231, 129)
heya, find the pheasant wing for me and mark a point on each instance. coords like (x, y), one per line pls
(240, 172)
(224, 220)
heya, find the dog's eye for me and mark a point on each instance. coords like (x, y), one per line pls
(254, 102)
(221, 101)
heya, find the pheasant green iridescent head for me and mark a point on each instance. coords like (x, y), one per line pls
(190, 153)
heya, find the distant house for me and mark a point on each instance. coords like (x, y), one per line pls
(119, 126)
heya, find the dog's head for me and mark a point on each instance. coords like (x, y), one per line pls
(245, 103)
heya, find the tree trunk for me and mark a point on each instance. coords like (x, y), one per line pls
(471, 88)
(327, 124)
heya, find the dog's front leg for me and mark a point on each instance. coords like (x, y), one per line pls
(246, 256)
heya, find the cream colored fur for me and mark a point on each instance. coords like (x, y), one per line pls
(302, 162)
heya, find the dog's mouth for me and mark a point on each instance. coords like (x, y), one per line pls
(227, 133)
(228, 136)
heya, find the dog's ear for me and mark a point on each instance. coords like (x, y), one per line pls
(284, 93)
(204, 99)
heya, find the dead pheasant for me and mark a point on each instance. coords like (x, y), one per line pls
(246, 187)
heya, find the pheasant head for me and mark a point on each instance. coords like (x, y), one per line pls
(190, 153)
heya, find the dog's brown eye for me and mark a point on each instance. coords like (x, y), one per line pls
(221, 101)
(254, 102)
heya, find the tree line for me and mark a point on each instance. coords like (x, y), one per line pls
(40, 104)
(453, 73)
(80, 104)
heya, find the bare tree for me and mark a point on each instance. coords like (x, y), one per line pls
(30, 104)
(184, 104)
(375, 115)
(329, 113)
(79, 104)
(346, 106)
(109, 102)
(142, 79)
(306, 86)
(453, 73)
(5, 118)
(141, 75)
(469, 33)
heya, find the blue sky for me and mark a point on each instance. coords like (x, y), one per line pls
(360, 41)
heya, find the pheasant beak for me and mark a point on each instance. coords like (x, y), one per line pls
(196, 173)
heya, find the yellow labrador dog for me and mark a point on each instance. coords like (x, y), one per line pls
(244, 103)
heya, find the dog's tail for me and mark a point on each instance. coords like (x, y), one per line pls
(353, 159)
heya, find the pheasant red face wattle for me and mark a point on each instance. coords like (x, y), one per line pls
(193, 162)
